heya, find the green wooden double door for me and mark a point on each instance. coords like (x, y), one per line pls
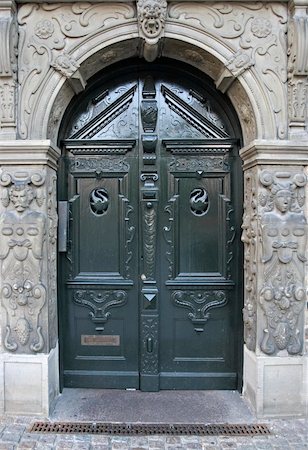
(150, 270)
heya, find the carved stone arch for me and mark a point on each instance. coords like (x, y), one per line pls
(45, 93)
(243, 92)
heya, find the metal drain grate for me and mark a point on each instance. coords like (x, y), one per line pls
(149, 429)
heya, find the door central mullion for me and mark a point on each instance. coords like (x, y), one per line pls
(149, 197)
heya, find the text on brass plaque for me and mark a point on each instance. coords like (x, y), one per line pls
(98, 339)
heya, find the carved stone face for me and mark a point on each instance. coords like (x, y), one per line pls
(21, 197)
(283, 200)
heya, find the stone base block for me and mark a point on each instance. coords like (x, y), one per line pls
(29, 384)
(276, 386)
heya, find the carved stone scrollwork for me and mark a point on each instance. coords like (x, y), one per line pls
(284, 238)
(298, 69)
(8, 67)
(99, 303)
(49, 34)
(151, 20)
(23, 233)
(199, 303)
(250, 240)
(256, 35)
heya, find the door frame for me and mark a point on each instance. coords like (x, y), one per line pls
(237, 175)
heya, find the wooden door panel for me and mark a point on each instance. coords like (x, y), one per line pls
(199, 234)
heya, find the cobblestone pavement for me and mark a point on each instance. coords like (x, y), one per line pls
(286, 434)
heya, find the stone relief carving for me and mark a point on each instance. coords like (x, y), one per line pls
(250, 240)
(151, 16)
(65, 64)
(298, 70)
(48, 35)
(8, 66)
(23, 233)
(7, 102)
(284, 236)
(196, 57)
(244, 110)
(256, 32)
(52, 219)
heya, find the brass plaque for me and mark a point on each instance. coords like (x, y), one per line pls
(99, 339)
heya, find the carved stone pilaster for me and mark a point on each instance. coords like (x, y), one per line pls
(275, 248)
(283, 229)
(298, 69)
(275, 252)
(8, 67)
(250, 240)
(152, 15)
(28, 231)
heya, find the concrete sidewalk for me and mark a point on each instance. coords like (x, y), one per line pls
(86, 405)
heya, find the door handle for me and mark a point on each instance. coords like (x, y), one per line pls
(149, 345)
(62, 226)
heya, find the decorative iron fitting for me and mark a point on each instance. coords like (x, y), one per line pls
(151, 22)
